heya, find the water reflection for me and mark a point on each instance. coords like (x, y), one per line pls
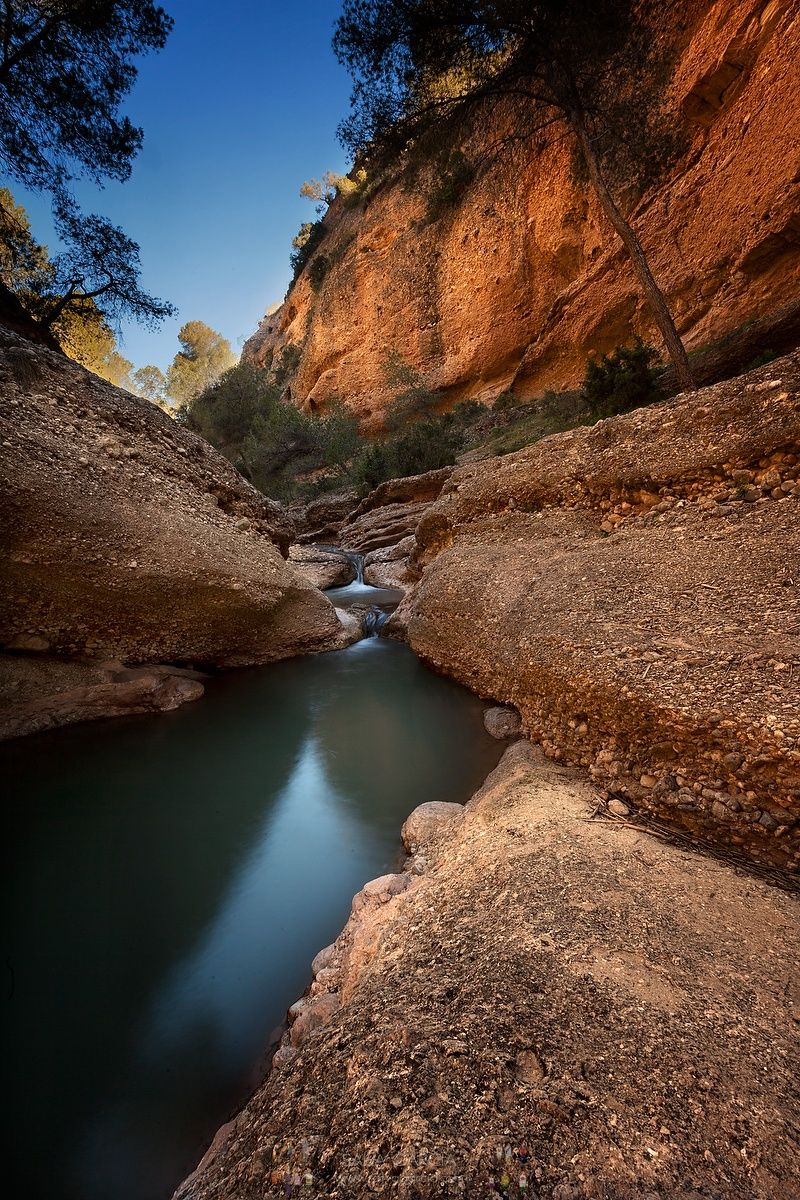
(172, 878)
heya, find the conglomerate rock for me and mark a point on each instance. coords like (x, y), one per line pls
(390, 566)
(632, 589)
(126, 536)
(325, 568)
(39, 693)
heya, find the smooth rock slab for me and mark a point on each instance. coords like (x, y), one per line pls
(323, 568)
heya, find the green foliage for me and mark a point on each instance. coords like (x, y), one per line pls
(332, 185)
(87, 338)
(271, 441)
(338, 435)
(425, 446)
(466, 413)
(224, 412)
(370, 467)
(761, 360)
(412, 399)
(506, 401)
(150, 382)
(64, 71)
(620, 381)
(79, 325)
(287, 363)
(454, 173)
(25, 265)
(305, 243)
(202, 359)
(420, 67)
(98, 273)
(100, 264)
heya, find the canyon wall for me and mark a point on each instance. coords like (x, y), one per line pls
(523, 277)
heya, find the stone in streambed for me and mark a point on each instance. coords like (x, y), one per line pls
(502, 722)
(431, 823)
(323, 959)
(316, 1012)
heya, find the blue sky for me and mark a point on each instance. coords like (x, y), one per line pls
(238, 109)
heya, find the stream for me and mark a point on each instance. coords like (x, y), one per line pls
(168, 880)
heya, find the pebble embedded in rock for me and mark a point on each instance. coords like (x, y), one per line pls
(618, 808)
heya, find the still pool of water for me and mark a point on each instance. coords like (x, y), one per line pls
(169, 880)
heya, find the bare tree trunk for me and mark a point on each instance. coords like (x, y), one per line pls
(652, 291)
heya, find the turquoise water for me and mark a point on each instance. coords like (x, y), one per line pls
(168, 881)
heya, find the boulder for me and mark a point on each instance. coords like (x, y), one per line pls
(352, 627)
(42, 693)
(316, 1012)
(502, 722)
(620, 586)
(391, 511)
(320, 519)
(430, 823)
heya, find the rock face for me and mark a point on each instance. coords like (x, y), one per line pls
(392, 511)
(127, 537)
(320, 519)
(631, 589)
(523, 277)
(391, 566)
(563, 999)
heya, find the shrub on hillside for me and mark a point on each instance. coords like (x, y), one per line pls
(621, 381)
(308, 238)
(224, 413)
(453, 176)
(412, 397)
(318, 270)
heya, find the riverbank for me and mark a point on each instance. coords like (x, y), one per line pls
(169, 880)
(541, 978)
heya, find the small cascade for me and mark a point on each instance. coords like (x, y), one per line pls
(358, 564)
(370, 604)
(372, 619)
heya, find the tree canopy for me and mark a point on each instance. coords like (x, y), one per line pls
(150, 382)
(25, 265)
(65, 68)
(27, 270)
(100, 264)
(576, 68)
(203, 357)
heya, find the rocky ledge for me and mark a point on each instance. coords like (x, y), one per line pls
(126, 537)
(632, 589)
(546, 1002)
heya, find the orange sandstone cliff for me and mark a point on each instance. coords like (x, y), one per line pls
(523, 277)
